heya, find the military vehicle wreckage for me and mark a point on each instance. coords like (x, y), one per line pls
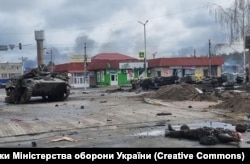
(208, 84)
(153, 83)
(51, 86)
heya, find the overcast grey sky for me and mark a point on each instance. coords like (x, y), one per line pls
(174, 28)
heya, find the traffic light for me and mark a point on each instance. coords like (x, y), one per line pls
(20, 46)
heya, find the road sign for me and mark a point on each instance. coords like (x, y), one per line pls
(141, 55)
(3, 48)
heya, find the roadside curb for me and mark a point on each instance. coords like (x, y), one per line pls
(155, 102)
(238, 117)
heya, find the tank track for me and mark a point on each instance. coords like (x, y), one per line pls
(67, 93)
(21, 96)
(26, 96)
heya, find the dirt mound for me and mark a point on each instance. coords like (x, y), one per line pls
(235, 102)
(180, 92)
(238, 102)
(227, 95)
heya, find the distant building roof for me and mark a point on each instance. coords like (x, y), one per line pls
(100, 62)
(111, 56)
(70, 67)
(104, 64)
(185, 61)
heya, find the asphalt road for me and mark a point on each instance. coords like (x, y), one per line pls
(94, 118)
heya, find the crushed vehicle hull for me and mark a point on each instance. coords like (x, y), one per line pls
(50, 86)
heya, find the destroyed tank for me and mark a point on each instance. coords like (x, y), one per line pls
(50, 86)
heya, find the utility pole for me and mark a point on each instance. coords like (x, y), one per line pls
(85, 62)
(247, 69)
(244, 49)
(209, 55)
(145, 60)
(22, 65)
(51, 59)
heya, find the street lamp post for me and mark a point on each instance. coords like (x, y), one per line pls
(85, 62)
(209, 55)
(22, 64)
(51, 59)
(145, 64)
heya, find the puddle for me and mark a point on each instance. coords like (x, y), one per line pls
(158, 132)
(161, 131)
(213, 124)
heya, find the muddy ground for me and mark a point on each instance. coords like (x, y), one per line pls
(104, 117)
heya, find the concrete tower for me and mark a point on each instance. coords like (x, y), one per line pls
(39, 36)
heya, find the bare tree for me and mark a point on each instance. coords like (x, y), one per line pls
(235, 19)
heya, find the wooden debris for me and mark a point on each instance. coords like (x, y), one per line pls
(64, 139)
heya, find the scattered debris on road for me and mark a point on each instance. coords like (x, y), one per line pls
(64, 139)
(163, 114)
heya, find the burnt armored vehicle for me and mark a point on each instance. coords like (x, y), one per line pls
(153, 82)
(50, 86)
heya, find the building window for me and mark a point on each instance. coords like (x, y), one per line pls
(205, 72)
(78, 78)
(98, 77)
(158, 73)
(13, 74)
(102, 76)
(214, 70)
(189, 72)
(4, 75)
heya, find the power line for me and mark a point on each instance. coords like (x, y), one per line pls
(109, 25)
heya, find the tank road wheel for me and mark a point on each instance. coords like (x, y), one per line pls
(26, 95)
(66, 94)
(44, 98)
(10, 96)
(60, 96)
(50, 98)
